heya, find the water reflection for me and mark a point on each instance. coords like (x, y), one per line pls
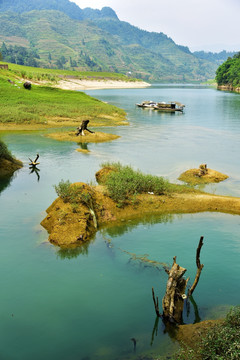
(83, 146)
(35, 170)
(5, 181)
(115, 230)
(72, 253)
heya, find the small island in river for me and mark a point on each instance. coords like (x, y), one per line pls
(202, 175)
(81, 209)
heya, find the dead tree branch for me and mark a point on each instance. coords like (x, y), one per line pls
(156, 304)
(80, 129)
(199, 267)
(34, 162)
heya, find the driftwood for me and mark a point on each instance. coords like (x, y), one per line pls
(173, 300)
(203, 170)
(34, 163)
(199, 267)
(27, 85)
(80, 129)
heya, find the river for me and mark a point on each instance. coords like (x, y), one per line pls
(89, 303)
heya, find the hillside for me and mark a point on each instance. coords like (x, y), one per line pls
(228, 74)
(58, 34)
(45, 106)
(217, 58)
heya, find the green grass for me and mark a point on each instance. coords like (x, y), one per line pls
(43, 103)
(221, 342)
(51, 75)
(123, 183)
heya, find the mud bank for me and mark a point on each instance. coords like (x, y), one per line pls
(228, 88)
(8, 167)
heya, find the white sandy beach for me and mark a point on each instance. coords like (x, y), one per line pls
(75, 84)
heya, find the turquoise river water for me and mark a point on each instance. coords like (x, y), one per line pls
(88, 304)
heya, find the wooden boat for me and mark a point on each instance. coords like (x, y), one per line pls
(147, 104)
(162, 106)
(169, 107)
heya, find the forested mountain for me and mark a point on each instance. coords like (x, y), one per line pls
(217, 58)
(57, 33)
(67, 7)
(229, 72)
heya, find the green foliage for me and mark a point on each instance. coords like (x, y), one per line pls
(229, 72)
(19, 55)
(221, 342)
(123, 183)
(4, 152)
(217, 58)
(75, 194)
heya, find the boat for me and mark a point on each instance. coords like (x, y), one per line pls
(169, 107)
(147, 104)
(162, 106)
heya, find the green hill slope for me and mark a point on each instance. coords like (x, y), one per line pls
(93, 40)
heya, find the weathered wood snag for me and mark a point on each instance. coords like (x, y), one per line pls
(80, 129)
(203, 170)
(27, 85)
(199, 267)
(173, 300)
(34, 163)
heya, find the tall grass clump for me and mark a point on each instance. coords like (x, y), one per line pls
(123, 182)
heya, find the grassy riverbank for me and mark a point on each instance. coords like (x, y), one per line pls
(46, 106)
(210, 339)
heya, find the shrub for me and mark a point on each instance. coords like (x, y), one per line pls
(4, 152)
(75, 194)
(124, 182)
(221, 342)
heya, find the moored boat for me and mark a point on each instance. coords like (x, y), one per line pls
(147, 104)
(162, 106)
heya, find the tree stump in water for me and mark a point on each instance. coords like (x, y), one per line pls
(80, 129)
(34, 162)
(202, 170)
(173, 300)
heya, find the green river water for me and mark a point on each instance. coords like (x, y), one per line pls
(88, 304)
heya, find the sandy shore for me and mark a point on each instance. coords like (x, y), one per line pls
(75, 84)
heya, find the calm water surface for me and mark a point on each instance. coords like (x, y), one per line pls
(89, 303)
